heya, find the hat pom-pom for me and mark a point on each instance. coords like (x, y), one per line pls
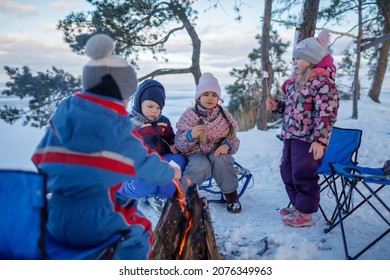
(206, 76)
(324, 38)
(99, 46)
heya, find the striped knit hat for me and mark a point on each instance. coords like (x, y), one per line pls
(102, 63)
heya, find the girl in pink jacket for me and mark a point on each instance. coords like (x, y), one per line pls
(206, 135)
(309, 112)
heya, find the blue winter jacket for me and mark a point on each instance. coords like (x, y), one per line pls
(88, 150)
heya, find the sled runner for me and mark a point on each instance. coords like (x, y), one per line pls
(214, 194)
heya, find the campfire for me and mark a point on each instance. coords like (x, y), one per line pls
(184, 231)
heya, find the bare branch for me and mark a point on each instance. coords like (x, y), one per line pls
(166, 71)
(375, 42)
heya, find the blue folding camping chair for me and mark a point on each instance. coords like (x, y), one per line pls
(367, 183)
(343, 149)
(23, 216)
(214, 194)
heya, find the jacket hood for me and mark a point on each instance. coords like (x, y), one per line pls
(149, 90)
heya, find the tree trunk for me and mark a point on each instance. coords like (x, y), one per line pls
(266, 66)
(356, 82)
(194, 69)
(383, 57)
(196, 44)
(380, 72)
(309, 18)
(306, 25)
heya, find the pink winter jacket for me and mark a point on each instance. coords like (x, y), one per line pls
(310, 111)
(217, 128)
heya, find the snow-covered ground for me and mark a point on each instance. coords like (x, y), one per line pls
(240, 236)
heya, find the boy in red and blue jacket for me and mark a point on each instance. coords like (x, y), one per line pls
(146, 117)
(89, 149)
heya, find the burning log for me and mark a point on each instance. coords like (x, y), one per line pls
(184, 231)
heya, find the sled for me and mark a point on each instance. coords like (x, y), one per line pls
(213, 193)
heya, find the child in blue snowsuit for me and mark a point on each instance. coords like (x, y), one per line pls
(146, 117)
(89, 150)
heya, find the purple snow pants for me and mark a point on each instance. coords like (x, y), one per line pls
(299, 174)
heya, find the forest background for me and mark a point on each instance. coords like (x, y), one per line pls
(28, 37)
(185, 38)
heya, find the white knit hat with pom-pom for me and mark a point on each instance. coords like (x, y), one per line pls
(207, 82)
(102, 63)
(313, 49)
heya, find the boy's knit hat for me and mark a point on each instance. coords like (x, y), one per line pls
(102, 63)
(207, 82)
(150, 90)
(313, 49)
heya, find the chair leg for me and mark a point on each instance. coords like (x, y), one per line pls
(343, 201)
(322, 212)
(327, 184)
(341, 222)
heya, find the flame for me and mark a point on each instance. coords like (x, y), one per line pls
(180, 196)
(183, 204)
(183, 242)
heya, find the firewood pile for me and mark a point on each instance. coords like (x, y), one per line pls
(185, 231)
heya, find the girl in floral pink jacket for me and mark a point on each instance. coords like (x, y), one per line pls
(309, 112)
(206, 136)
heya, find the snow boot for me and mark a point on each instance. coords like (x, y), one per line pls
(298, 219)
(233, 205)
(286, 211)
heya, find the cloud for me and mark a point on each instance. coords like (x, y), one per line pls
(17, 8)
(40, 55)
(65, 5)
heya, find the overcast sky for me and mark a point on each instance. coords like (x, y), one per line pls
(28, 36)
